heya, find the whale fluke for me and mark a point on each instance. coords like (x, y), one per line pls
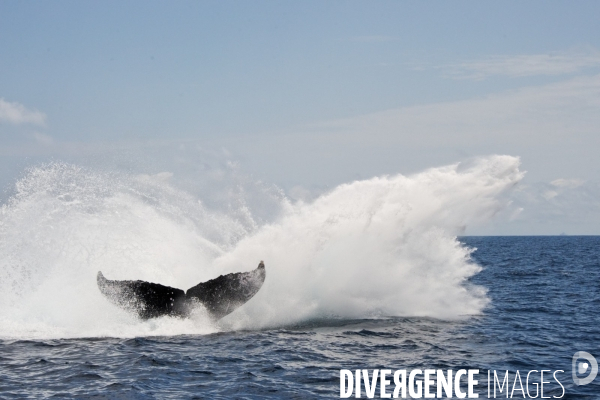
(220, 296)
(147, 299)
(224, 294)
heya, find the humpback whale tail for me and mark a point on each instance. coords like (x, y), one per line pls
(220, 296)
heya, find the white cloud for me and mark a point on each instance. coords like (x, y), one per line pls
(567, 183)
(43, 139)
(559, 63)
(16, 113)
(558, 113)
(561, 187)
(515, 214)
(541, 209)
(550, 194)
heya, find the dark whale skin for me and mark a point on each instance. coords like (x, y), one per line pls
(220, 296)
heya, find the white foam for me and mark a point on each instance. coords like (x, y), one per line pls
(379, 247)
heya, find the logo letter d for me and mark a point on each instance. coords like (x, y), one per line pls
(593, 372)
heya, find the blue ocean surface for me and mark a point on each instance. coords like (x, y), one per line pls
(544, 306)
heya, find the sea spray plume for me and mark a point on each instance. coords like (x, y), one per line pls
(380, 247)
(383, 246)
(66, 222)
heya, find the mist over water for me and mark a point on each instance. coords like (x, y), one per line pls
(379, 247)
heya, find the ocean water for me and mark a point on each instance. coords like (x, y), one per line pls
(373, 274)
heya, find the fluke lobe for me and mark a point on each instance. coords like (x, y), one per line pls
(220, 296)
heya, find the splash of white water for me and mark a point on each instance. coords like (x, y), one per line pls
(379, 247)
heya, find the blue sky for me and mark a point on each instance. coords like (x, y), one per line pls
(312, 94)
